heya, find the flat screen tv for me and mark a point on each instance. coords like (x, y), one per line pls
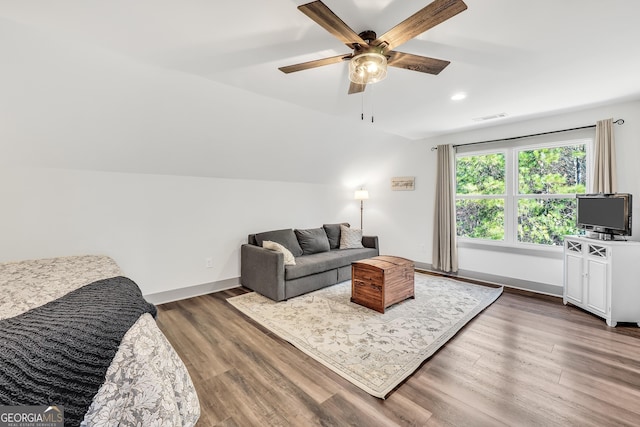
(605, 214)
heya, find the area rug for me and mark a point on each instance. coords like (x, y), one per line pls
(374, 351)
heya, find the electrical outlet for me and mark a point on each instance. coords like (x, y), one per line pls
(209, 262)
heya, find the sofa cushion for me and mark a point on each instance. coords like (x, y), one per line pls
(333, 234)
(350, 238)
(286, 238)
(274, 246)
(323, 261)
(312, 241)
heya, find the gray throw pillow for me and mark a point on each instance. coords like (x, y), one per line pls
(313, 240)
(333, 234)
(286, 238)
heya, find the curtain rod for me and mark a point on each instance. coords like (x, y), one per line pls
(618, 122)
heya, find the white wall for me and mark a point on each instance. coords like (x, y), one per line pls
(98, 154)
(160, 229)
(543, 269)
(402, 219)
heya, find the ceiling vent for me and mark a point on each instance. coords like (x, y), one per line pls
(492, 117)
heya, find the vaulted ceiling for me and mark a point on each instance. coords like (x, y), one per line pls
(519, 58)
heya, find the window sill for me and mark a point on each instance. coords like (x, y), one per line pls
(555, 252)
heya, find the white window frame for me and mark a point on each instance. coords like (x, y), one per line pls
(511, 196)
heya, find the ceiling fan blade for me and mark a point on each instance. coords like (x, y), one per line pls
(416, 63)
(313, 64)
(328, 20)
(356, 88)
(435, 13)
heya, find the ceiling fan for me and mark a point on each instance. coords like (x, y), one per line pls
(371, 54)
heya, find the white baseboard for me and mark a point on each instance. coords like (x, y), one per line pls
(541, 288)
(192, 291)
(221, 285)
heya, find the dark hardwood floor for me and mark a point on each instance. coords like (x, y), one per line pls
(527, 360)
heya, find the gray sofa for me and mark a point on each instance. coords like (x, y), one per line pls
(317, 264)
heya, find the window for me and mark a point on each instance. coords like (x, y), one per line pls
(520, 194)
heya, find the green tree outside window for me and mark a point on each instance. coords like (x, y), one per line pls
(546, 182)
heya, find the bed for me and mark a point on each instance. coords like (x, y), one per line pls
(74, 332)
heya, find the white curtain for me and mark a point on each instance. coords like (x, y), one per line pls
(445, 251)
(604, 170)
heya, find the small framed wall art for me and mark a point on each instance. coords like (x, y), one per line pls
(403, 183)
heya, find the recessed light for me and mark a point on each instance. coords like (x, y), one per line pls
(458, 96)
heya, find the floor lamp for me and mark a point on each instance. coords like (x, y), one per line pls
(361, 195)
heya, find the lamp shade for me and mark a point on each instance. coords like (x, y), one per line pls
(366, 68)
(361, 195)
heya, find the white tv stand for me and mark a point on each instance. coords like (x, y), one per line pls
(603, 277)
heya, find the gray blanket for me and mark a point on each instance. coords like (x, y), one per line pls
(58, 353)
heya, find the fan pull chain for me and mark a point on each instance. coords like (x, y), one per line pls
(372, 104)
(362, 105)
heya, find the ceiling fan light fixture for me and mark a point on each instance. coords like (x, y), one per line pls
(367, 68)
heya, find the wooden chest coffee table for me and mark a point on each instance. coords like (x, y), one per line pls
(382, 281)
